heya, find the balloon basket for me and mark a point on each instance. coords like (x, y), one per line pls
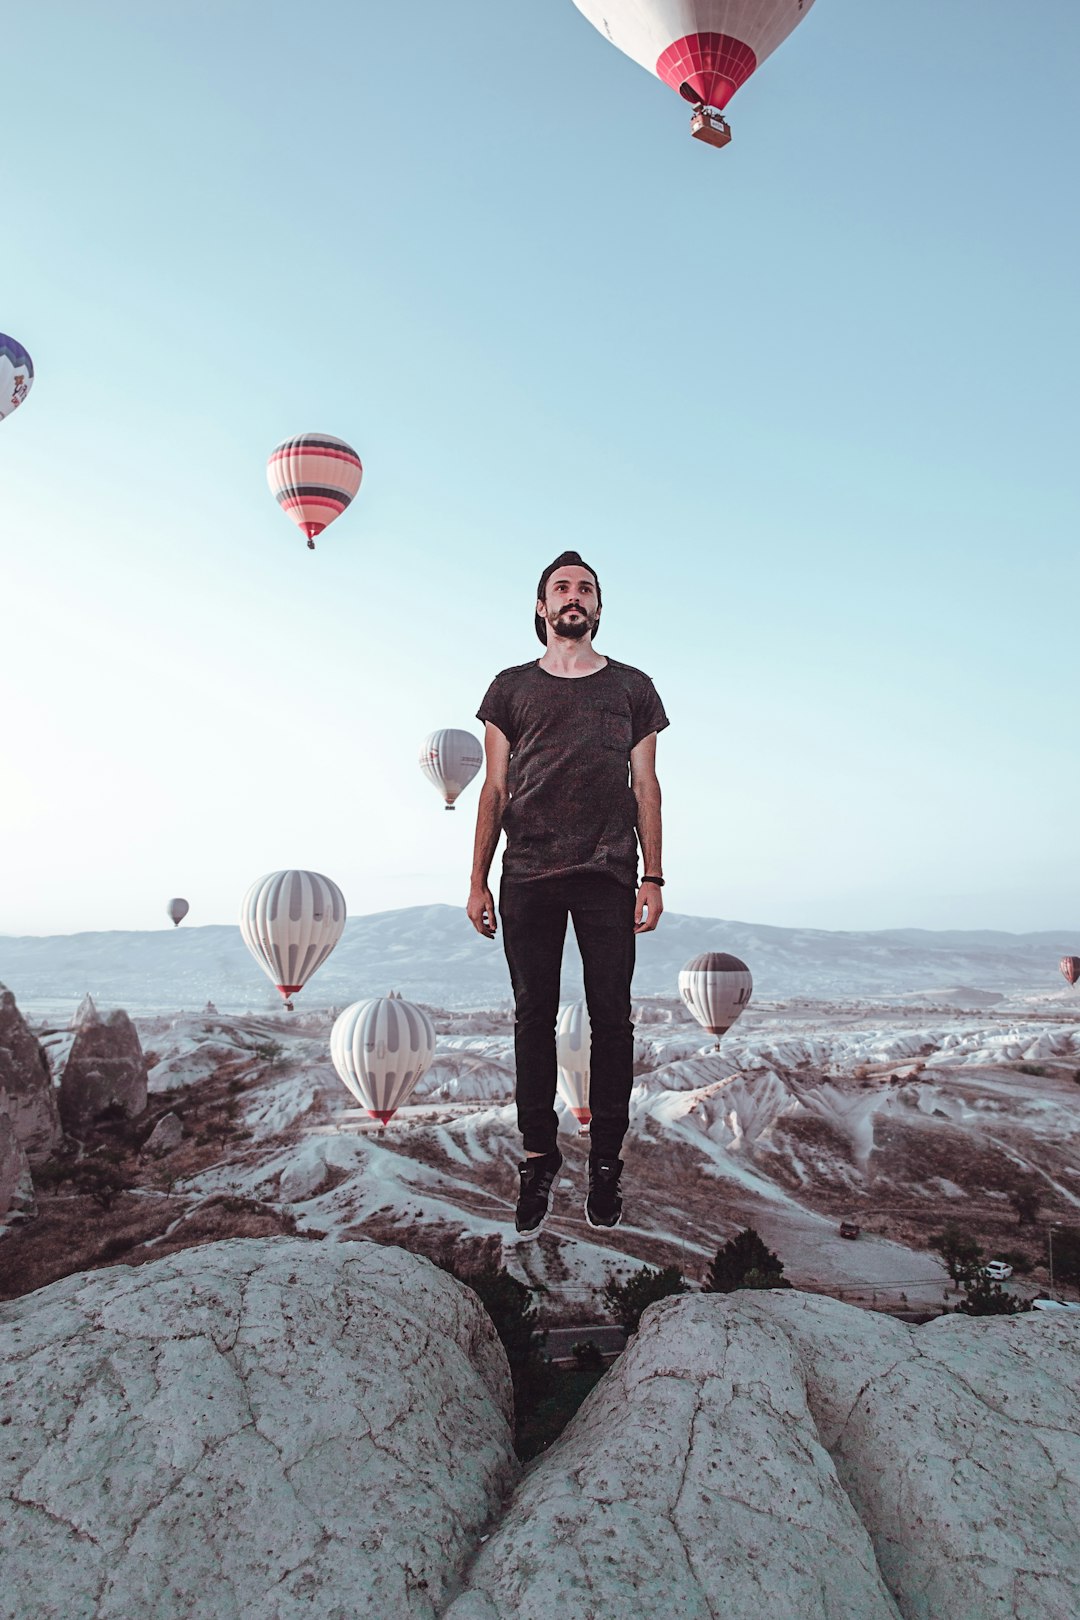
(710, 127)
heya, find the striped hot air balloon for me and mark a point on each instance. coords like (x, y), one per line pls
(716, 988)
(1070, 966)
(704, 49)
(450, 760)
(314, 477)
(381, 1049)
(16, 375)
(573, 1053)
(291, 921)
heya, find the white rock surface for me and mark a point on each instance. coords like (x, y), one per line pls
(782, 1454)
(692, 1484)
(254, 1430)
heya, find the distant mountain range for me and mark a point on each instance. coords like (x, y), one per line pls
(432, 954)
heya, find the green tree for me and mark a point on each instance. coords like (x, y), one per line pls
(959, 1251)
(1067, 1255)
(510, 1306)
(985, 1298)
(1025, 1199)
(745, 1261)
(627, 1301)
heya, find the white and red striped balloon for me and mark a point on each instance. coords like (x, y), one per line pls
(1070, 967)
(716, 988)
(290, 922)
(381, 1048)
(313, 478)
(573, 1054)
(704, 49)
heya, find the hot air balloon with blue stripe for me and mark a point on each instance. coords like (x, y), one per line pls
(16, 375)
(314, 477)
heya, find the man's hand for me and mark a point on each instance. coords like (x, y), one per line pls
(650, 905)
(481, 912)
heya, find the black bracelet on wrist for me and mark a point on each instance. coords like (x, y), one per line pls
(657, 880)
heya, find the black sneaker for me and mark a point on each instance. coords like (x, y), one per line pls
(537, 1176)
(603, 1206)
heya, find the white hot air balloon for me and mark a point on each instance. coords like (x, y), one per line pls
(450, 759)
(176, 911)
(381, 1048)
(716, 988)
(291, 921)
(573, 1053)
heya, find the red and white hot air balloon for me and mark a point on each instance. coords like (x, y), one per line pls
(1070, 967)
(381, 1048)
(313, 478)
(450, 759)
(573, 1054)
(716, 988)
(704, 49)
(290, 922)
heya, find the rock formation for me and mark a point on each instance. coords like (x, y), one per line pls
(25, 1076)
(105, 1069)
(166, 1135)
(269, 1428)
(16, 1186)
(761, 1454)
(280, 1428)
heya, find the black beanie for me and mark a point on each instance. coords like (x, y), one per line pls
(560, 562)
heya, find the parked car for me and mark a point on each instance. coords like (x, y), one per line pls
(849, 1229)
(997, 1270)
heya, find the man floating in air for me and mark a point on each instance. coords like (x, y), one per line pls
(570, 745)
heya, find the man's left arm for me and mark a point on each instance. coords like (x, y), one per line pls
(646, 789)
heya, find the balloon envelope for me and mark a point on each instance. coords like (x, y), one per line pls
(704, 49)
(716, 988)
(1070, 966)
(450, 760)
(573, 1054)
(16, 375)
(314, 477)
(291, 921)
(177, 910)
(381, 1048)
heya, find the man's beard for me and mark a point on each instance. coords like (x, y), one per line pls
(572, 632)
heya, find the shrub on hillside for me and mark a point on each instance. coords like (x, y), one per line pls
(745, 1261)
(627, 1301)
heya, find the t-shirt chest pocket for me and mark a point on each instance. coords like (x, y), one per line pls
(616, 727)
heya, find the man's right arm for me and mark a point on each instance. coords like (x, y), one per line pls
(494, 797)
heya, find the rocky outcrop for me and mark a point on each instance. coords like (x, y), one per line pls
(105, 1070)
(783, 1454)
(166, 1135)
(270, 1428)
(280, 1428)
(25, 1076)
(16, 1185)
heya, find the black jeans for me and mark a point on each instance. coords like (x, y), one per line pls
(534, 928)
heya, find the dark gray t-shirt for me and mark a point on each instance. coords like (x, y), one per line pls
(571, 808)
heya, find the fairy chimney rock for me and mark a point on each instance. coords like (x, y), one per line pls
(25, 1076)
(106, 1069)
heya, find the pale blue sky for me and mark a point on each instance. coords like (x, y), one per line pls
(808, 405)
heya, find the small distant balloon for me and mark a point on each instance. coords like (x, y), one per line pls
(290, 922)
(177, 910)
(16, 375)
(314, 478)
(716, 988)
(573, 1054)
(450, 759)
(381, 1049)
(1070, 967)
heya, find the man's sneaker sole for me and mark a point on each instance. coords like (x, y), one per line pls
(535, 1231)
(602, 1226)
